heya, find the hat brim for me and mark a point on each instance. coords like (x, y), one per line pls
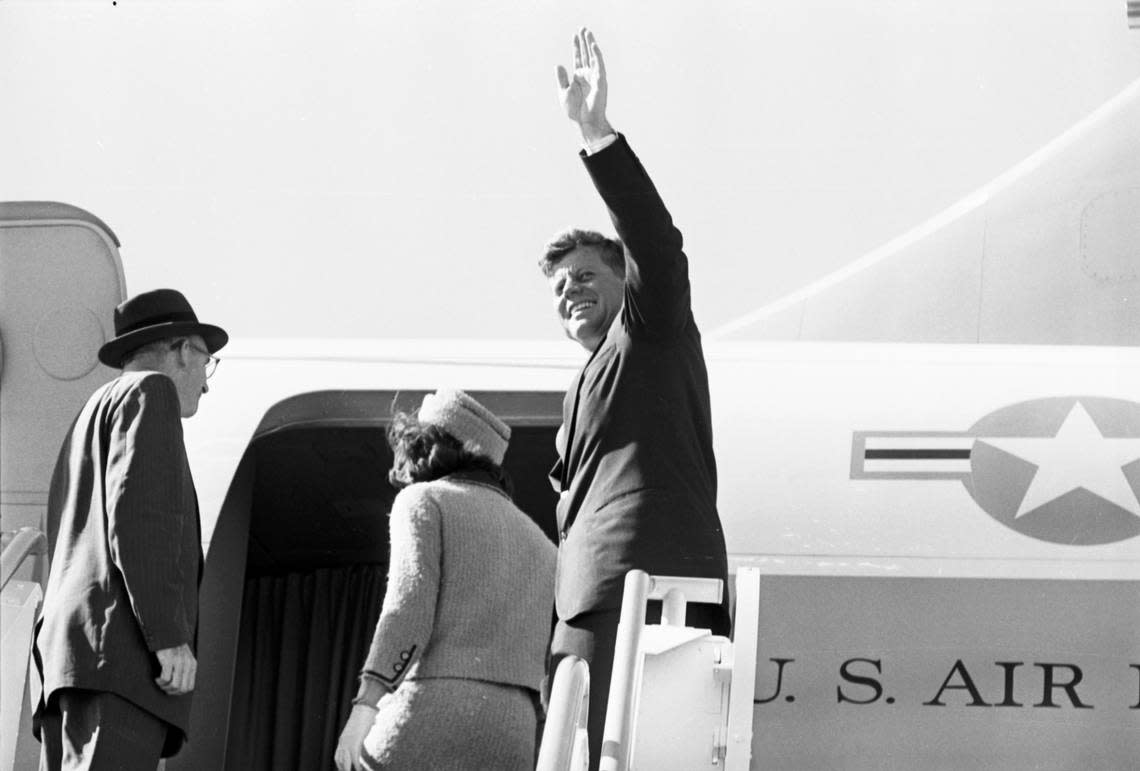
(114, 351)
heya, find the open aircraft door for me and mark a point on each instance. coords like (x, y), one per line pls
(60, 279)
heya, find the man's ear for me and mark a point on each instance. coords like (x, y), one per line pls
(182, 354)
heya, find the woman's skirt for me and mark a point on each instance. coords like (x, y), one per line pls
(453, 724)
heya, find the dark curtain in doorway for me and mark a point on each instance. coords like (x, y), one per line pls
(302, 642)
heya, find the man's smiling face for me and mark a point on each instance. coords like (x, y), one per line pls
(587, 295)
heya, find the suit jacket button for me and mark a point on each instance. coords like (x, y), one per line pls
(562, 535)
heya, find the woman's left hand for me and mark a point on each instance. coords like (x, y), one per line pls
(351, 741)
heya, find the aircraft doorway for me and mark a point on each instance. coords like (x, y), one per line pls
(307, 519)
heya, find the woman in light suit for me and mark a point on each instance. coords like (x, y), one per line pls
(452, 678)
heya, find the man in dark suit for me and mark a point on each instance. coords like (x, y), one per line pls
(636, 471)
(115, 644)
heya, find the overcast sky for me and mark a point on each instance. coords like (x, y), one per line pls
(393, 169)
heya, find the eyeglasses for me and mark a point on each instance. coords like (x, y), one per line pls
(211, 360)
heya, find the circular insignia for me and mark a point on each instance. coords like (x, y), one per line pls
(1064, 470)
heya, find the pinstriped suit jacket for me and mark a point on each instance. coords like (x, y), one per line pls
(125, 545)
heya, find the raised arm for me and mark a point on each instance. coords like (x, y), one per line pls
(657, 296)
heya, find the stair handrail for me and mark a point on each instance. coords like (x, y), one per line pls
(28, 541)
(623, 682)
(567, 715)
(621, 709)
(745, 641)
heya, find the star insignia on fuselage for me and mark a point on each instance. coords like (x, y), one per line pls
(1078, 456)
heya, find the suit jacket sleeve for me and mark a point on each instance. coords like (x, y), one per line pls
(148, 508)
(657, 296)
(408, 615)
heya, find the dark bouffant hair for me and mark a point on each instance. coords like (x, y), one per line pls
(422, 452)
(568, 240)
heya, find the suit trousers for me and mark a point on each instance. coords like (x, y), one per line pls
(591, 636)
(86, 730)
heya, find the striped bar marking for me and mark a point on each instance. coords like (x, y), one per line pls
(910, 455)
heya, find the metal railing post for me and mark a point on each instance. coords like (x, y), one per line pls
(673, 606)
(569, 710)
(27, 541)
(627, 649)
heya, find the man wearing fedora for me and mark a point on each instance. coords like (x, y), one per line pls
(115, 643)
(636, 471)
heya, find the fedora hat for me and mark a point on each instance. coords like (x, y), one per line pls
(152, 316)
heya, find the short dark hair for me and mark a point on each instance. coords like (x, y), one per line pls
(568, 240)
(422, 452)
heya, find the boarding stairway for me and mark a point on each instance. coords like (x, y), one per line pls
(680, 698)
(19, 603)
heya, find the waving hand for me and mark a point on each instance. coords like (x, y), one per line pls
(583, 92)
